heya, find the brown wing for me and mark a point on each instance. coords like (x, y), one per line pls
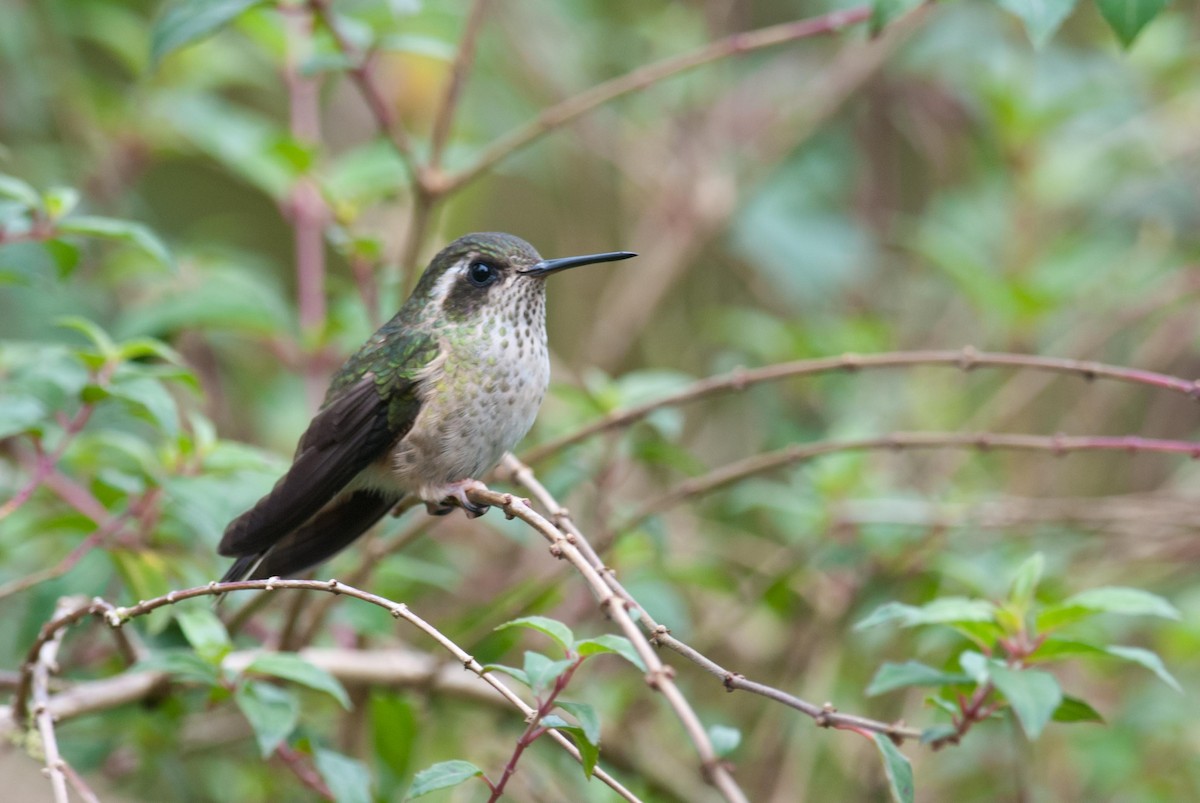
(349, 433)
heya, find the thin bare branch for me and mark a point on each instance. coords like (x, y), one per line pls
(458, 74)
(116, 617)
(567, 110)
(364, 77)
(824, 715)
(1057, 445)
(44, 665)
(965, 359)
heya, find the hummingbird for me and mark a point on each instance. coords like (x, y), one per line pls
(425, 407)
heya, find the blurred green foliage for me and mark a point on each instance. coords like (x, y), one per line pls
(1016, 176)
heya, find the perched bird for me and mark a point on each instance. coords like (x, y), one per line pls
(428, 405)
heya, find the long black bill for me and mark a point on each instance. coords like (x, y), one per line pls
(548, 266)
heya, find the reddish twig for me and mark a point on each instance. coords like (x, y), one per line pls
(573, 107)
(965, 359)
(759, 464)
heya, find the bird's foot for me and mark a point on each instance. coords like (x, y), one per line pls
(455, 495)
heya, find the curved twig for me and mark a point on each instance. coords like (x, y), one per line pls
(965, 359)
(758, 464)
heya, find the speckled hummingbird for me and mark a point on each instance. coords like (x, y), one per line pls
(427, 406)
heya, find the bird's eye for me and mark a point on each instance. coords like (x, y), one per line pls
(481, 274)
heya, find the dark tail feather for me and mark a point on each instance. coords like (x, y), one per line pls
(318, 539)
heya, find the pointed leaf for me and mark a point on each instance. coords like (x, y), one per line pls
(1033, 694)
(589, 720)
(183, 665)
(911, 673)
(945, 610)
(271, 711)
(884, 11)
(1072, 709)
(613, 644)
(292, 667)
(186, 21)
(511, 671)
(556, 630)
(1128, 17)
(1053, 649)
(1128, 601)
(1040, 17)
(899, 771)
(348, 779)
(1025, 583)
(1149, 660)
(204, 631)
(122, 230)
(442, 775)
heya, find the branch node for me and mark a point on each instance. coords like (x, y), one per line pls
(983, 443)
(212, 585)
(1060, 445)
(968, 359)
(1194, 392)
(115, 617)
(730, 679)
(333, 585)
(556, 550)
(398, 610)
(271, 581)
(851, 362)
(658, 634)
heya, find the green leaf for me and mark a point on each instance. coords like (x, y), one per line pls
(1033, 694)
(885, 11)
(1025, 583)
(1053, 649)
(271, 711)
(589, 751)
(183, 665)
(1072, 709)
(187, 21)
(589, 720)
(348, 779)
(511, 671)
(940, 611)
(442, 775)
(20, 414)
(1040, 17)
(1109, 599)
(1147, 659)
(935, 732)
(12, 187)
(1128, 601)
(899, 771)
(121, 230)
(911, 673)
(556, 630)
(105, 347)
(542, 671)
(148, 399)
(204, 631)
(724, 739)
(1128, 17)
(292, 667)
(611, 643)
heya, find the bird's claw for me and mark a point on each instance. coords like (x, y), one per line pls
(457, 497)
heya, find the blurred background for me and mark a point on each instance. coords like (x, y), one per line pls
(946, 183)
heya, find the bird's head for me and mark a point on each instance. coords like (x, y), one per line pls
(491, 271)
